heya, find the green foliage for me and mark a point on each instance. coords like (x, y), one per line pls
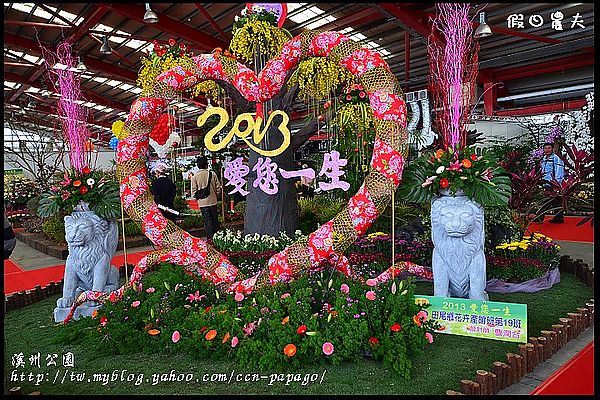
(180, 204)
(192, 222)
(32, 204)
(404, 214)
(240, 208)
(132, 229)
(473, 171)
(54, 228)
(317, 211)
(262, 323)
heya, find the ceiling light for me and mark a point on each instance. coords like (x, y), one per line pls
(483, 30)
(105, 48)
(80, 65)
(150, 16)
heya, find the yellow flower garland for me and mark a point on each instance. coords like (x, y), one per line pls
(254, 33)
(354, 117)
(317, 77)
(150, 70)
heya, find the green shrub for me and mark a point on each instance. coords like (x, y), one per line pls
(54, 228)
(192, 222)
(262, 323)
(132, 229)
(32, 204)
(180, 204)
(240, 208)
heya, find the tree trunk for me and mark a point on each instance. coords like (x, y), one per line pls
(266, 213)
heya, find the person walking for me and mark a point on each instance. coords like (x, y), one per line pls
(164, 190)
(205, 180)
(553, 169)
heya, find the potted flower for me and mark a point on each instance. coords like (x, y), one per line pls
(458, 182)
(468, 171)
(85, 191)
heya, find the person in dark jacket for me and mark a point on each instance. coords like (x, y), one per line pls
(164, 190)
(10, 240)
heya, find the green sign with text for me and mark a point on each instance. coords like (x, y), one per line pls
(476, 318)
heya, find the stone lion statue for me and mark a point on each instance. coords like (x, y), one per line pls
(92, 242)
(458, 258)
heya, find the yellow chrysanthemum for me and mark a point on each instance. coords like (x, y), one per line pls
(247, 39)
(318, 77)
(117, 129)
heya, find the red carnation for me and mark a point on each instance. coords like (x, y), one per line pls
(86, 170)
(396, 328)
(373, 341)
(444, 183)
(182, 46)
(473, 157)
(83, 189)
(172, 42)
(301, 329)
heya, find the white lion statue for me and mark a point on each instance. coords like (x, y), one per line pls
(92, 242)
(458, 258)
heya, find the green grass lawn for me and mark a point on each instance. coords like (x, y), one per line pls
(443, 364)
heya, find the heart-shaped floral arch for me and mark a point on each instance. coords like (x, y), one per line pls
(324, 246)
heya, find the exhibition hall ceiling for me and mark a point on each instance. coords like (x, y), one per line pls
(535, 65)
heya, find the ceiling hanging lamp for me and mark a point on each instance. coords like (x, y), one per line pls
(80, 65)
(105, 48)
(483, 30)
(150, 16)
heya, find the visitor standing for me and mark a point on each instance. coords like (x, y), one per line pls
(164, 190)
(205, 180)
(553, 169)
(10, 240)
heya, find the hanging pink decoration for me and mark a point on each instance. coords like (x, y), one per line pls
(73, 114)
(453, 67)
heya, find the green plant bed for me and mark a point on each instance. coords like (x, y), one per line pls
(431, 373)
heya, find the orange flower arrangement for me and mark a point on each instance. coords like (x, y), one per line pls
(210, 335)
(289, 350)
(466, 163)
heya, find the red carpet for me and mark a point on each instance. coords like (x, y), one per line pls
(17, 279)
(10, 266)
(576, 377)
(567, 231)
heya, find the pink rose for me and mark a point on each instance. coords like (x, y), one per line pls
(150, 290)
(370, 295)
(344, 288)
(328, 348)
(371, 282)
(422, 315)
(135, 304)
(285, 295)
(176, 336)
(234, 341)
(239, 297)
